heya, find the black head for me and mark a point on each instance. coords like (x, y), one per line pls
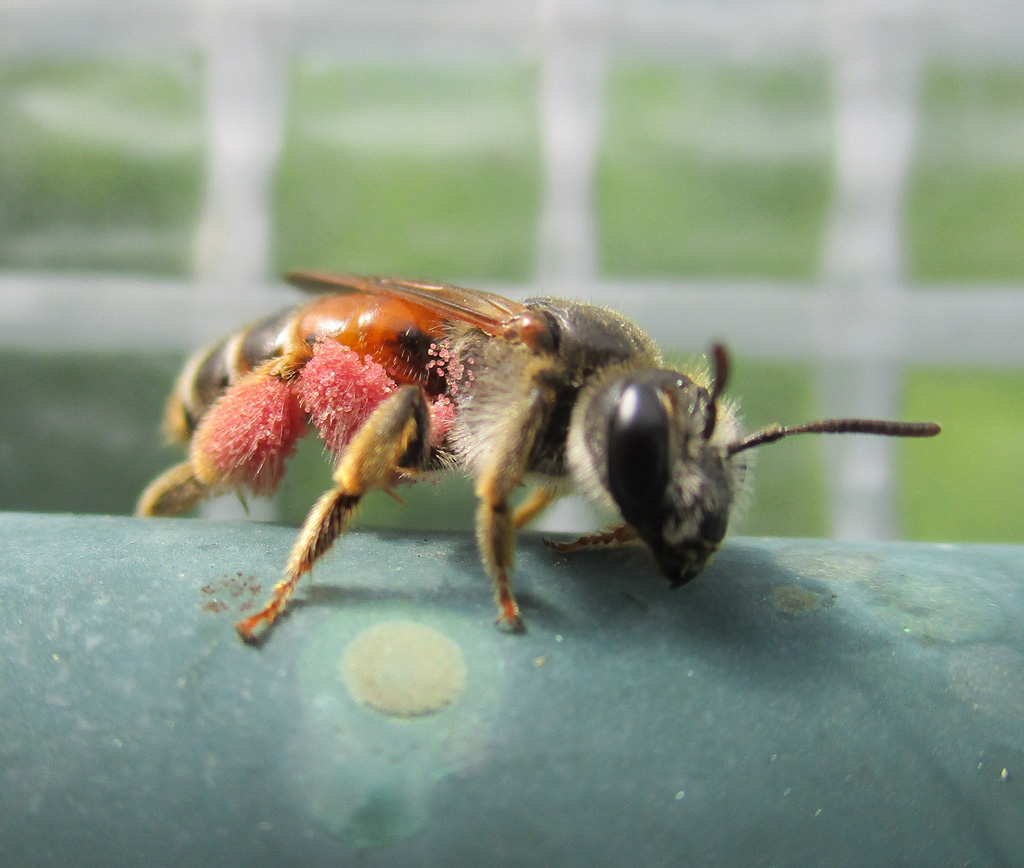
(670, 455)
(666, 472)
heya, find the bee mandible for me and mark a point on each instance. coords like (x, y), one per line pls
(404, 379)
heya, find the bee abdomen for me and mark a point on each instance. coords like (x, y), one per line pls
(262, 341)
(211, 372)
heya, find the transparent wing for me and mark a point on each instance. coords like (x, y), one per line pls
(489, 312)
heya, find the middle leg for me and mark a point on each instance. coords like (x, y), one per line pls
(539, 499)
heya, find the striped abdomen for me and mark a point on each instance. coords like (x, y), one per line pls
(397, 335)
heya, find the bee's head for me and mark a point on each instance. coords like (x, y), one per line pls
(658, 443)
(665, 474)
(668, 453)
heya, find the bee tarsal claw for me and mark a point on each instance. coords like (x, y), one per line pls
(511, 624)
(254, 630)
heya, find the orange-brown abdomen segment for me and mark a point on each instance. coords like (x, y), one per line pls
(394, 333)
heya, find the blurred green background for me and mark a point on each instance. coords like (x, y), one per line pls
(434, 171)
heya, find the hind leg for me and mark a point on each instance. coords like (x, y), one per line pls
(241, 443)
(396, 435)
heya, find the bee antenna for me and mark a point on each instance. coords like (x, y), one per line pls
(720, 377)
(837, 426)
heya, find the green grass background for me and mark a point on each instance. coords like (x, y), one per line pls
(434, 171)
(101, 165)
(965, 203)
(409, 170)
(716, 173)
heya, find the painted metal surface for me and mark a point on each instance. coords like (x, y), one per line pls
(802, 703)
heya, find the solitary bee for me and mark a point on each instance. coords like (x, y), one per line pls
(402, 379)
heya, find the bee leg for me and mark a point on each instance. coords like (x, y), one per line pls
(174, 491)
(241, 443)
(539, 499)
(496, 538)
(501, 473)
(395, 435)
(614, 536)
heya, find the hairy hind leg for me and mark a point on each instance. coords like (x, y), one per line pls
(241, 443)
(395, 435)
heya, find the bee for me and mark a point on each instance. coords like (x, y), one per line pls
(404, 379)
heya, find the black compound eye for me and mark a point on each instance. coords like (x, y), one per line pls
(638, 451)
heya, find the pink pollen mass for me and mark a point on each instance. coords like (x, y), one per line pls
(339, 390)
(246, 436)
(442, 416)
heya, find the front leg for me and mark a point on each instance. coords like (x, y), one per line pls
(395, 435)
(501, 472)
(614, 536)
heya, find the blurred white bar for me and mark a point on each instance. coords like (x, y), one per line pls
(571, 99)
(245, 110)
(945, 325)
(875, 71)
